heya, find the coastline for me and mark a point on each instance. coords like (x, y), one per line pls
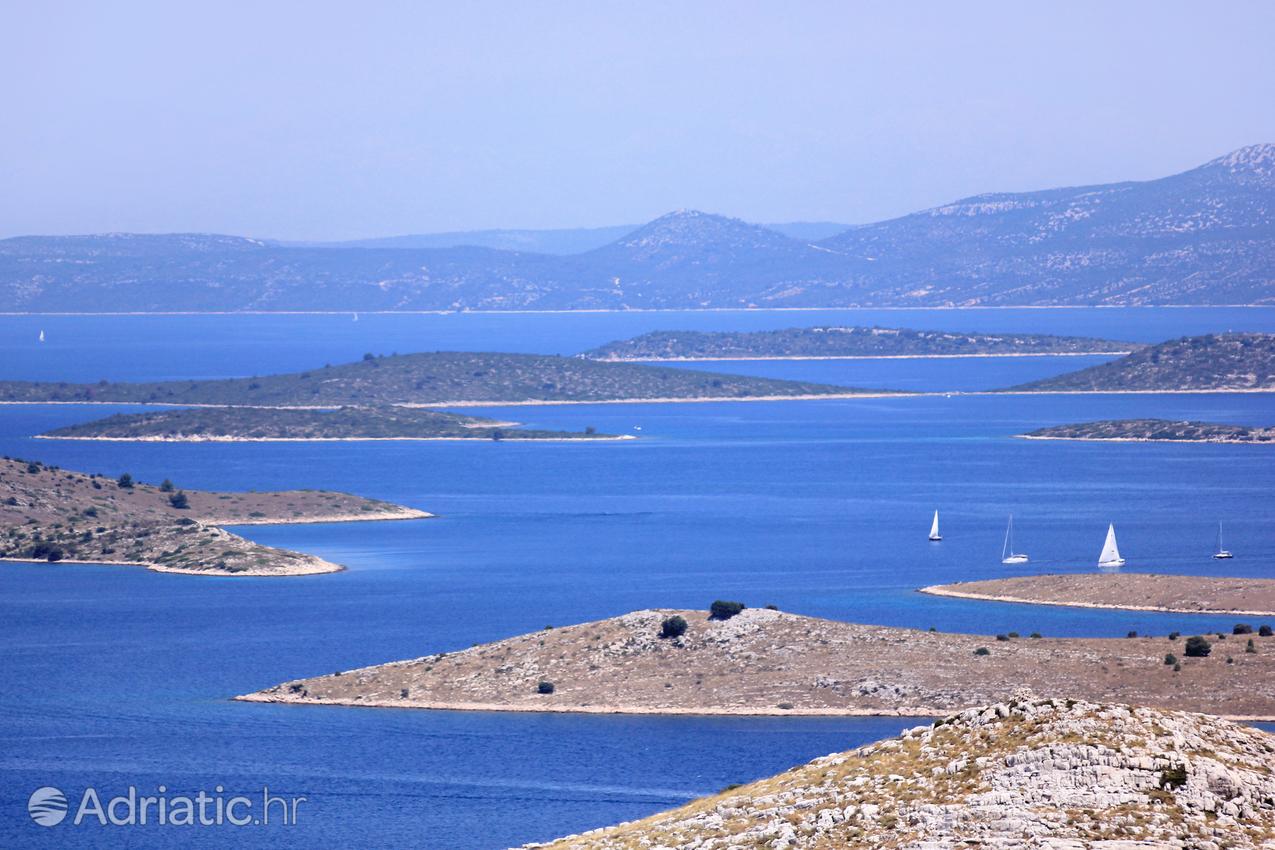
(370, 516)
(941, 590)
(228, 439)
(857, 357)
(320, 567)
(1143, 440)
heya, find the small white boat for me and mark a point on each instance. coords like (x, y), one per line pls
(356, 317)
(935, 537)
(1110, 556)
(1221, 554)
(41, 336)
(1008, 555)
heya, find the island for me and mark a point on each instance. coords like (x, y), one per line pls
(55, 515)
(833, 342)
(1153, 431)
(1027, 773)
(265, 424)
(440, 379)
(1231, 362)
(1250, 597)
(767, 662)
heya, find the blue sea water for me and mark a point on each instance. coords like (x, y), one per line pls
(115, 676)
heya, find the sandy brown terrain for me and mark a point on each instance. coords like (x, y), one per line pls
(1252, 597)
(769, 662)
(56, 515)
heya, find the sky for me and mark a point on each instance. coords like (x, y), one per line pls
(320, 120)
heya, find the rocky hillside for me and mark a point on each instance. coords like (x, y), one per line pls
(837, 341)
(1026, 773)
(1233, 361)
(52, 514)
(1206, 236)
(436, 378)
(763, 661)
(1155, 430)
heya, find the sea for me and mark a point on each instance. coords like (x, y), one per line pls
(114, 678)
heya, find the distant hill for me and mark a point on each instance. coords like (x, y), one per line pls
(438, 378)
(837, 341)
(1212, 362)
(1206, 236)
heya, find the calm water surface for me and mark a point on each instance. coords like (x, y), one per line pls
(116, 676)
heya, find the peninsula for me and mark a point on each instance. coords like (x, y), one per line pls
(1252, 597)
(1232, 362)
(51, 514)
(264, 424)
(832, 342)
(439, 379)
(762, 661)
(1153, 431)
(1028, 773)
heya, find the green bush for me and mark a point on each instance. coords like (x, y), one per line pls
(1242, 629)
(166, 486)
(1198, 647)
(1265, 631)
(672, 627)
(544, 688)
(1132, 634)
(1035, 635)
(982, 650)
(1250, 647)
(178, 500)
(1002, 638)
(723, 610)
(125, 482)
(1170, 659)
(1174, 635)
(1173, 777)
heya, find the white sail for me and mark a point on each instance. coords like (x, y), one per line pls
(1221, 554)
(934, 528)
(41, 336)
(1110, 556)
(1008, 555)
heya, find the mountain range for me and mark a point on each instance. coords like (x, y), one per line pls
(1205, 236)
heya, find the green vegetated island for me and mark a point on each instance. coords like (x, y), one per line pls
(1232, 362)
(1154, 431)
(51, 514)
(245, 424)
(848, 342)
(735, 660)
(375, 397)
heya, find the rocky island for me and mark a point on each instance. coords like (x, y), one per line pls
(439, 379)
(51, 514)
(1153, 431)
(265, 424)
(763, 661)
(837, 342)
(1253, 597)
(1028, 773)
(1231, 362)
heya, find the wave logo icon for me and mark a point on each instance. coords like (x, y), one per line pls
(47, 806)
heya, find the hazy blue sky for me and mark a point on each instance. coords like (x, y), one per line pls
(326, 120)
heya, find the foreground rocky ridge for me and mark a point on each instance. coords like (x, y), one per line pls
(770, 662)
(1026, 773)
(52, 514)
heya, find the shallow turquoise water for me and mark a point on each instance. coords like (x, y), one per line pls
(115, 676)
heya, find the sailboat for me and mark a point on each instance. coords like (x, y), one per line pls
(41, 336)
(1008, 555)
(935, 537)
(356, 317)
(1221, 554)
(1110, 556)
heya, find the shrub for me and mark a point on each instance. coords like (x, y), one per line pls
(178, 500)
(544, 688)
(1132, 634)
(1242, 629)
(672, 627)
(1174, 635)
(1035, 635)
(1013, 634)
(1002, 638)
(166, 486)
(1265, 631)
(125, 482)
(402, 694)
(1173, 777)
(723, 610)
(1250, 647)
(1170, 659)
(1177, 668)
(772, 607)
(1198, 647)
(982, 650)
